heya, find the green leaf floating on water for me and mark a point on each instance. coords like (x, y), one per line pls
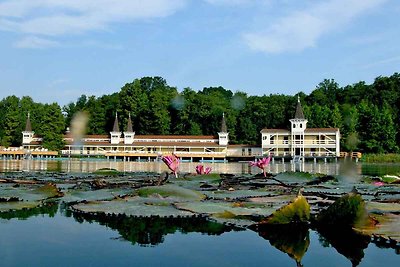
(26, 196)
(171, 191)
(348, 210)
(297, 211)
(133, 206)
(77, 195)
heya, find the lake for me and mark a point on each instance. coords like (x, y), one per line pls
(53, 236)
(60, 239)
(91, 165)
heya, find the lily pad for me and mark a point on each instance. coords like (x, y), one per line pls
(225, 209)
(76, 195)
(172, 191)
(133, 206)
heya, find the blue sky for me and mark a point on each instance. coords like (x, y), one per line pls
(56, 50)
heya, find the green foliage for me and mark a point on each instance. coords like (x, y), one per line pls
(380, 158)
(367, 115)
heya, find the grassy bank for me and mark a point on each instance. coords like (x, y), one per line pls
(381, 158)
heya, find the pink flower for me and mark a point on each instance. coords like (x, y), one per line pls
(172, 162)
(201, 170)
(378, 183)
(261, 163)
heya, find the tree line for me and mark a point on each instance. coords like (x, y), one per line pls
(367, 114)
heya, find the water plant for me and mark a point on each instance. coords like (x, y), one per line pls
(262, 164)
(172, 162)
(201, 170)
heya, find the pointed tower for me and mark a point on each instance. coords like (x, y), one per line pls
(27, 135)
(115, 134)
(298, 126)
(223, 135)
(129, 134)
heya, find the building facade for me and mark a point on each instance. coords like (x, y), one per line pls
(297, 143)
(301, 142)
(129, 146)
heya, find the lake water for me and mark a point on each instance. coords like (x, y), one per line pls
(52, 236)
(59, 239)
(85, 165)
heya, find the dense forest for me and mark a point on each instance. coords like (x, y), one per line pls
(367, 114)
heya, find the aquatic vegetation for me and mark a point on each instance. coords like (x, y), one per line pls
(297, 211)
(171, 191)
(26, 196)
(107, 171)
(133, 206)
(172, 162)
(201, 170)
(381, 158)
(347, 211)
(262, 164)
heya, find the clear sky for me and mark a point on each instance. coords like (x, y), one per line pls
(56, 50)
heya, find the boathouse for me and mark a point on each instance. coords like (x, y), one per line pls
(301, 142)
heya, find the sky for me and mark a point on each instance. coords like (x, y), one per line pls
(57, 50)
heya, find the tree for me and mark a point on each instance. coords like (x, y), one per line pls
(52, 127)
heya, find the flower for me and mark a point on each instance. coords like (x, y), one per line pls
(172, 162)
(261, 163)
(201, 170)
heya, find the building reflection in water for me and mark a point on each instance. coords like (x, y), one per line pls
(85, 166)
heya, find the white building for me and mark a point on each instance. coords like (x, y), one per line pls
(300, 141)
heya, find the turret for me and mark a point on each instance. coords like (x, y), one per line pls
(115, 134)
(27, 135)
(299, 123)
(223, 135)
(298, 126)
(129, 134)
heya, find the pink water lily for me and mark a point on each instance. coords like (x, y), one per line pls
(201, 170)
(172, 162)
(261, 163)
(378, 183)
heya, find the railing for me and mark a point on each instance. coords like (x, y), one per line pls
(310, 154)
(303, 142)
(351, 154)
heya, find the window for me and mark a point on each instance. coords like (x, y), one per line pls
(301, 125)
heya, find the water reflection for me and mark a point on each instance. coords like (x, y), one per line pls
(293, 240)
(151, 231)
(91, 165)
(49, 208)
(346, 241)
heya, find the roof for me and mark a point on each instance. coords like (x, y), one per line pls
(195, 137)
(116, 127)
(224, 129)
(154, 144)
(299, 111)
(322, 130)
(129, 127)
(28, 126)
(266, 130)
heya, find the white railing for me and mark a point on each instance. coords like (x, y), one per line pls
(305, 142)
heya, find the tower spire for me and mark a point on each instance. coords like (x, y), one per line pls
(299, 110)
(28, 126)
(129, 127)
(224, 129)
(116, 127)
